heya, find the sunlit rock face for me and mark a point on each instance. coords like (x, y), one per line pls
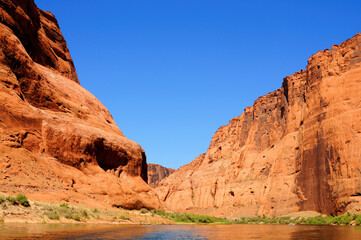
(57, 141)
(296, 149)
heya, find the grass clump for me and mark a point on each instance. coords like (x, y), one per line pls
(64, 205)
(23, 200)
(124, 216)
(76, 217)
(2, 220)
(63, 210)
(19, 199)
(144, 211)
(12, 200)
(85, 214)
(52, 215)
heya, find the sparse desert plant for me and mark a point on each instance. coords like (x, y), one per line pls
(3, 206)
(64, 205)
(53, 215)
(95, 210)
(1, 220)
(85, 213)
(69, 212)
(144, 211)
(124, 216)
(23, 200)
(12, 200)
(76, 217)
(2, 199)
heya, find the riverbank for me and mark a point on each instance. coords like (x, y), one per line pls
(18, 209)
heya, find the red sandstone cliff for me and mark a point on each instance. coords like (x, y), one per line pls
(295, 149)
(57, 141)
(157, 173)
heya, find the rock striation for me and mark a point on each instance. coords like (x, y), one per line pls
(57, 141)
(295, 149)
(157, 173)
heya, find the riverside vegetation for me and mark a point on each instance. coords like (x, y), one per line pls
(346, 219)
(19, 205)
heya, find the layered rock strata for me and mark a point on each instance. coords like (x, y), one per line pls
(57, 141)
(295, 149)
(157, 173)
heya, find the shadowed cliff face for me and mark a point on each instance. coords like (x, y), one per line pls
(295, 149)
(57, 141)
(39, 34)
(157, 173)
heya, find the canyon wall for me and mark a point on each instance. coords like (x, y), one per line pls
(157, 173)
(296, 149)
(57, 141)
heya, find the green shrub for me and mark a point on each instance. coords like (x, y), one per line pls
(23, 200)
(76, 217)
(344, 219)
(95, 210)
(53, 215)
(143, 211)
(64, 205)
(12, 200)
(84, 213)
(124, 216)
(358, 219)
(69, 213)
(2, 199)
(160, 212)
(272, 220)
(1, 220)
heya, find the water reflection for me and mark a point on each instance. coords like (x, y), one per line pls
(107, 232)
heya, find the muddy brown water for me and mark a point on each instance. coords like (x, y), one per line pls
(99, 231)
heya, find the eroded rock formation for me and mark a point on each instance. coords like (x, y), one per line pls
(157, 173)
(57, 141)
(295, 149)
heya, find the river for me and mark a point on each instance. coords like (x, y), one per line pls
(159, 232)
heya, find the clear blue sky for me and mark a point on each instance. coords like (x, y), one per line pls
(171, 72)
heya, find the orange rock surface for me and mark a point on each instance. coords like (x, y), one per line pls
(295, 149)
(57, 141)
(157, 173)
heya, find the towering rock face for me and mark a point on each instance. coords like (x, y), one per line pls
(157, 173)
(295, 149)
(57, 141)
